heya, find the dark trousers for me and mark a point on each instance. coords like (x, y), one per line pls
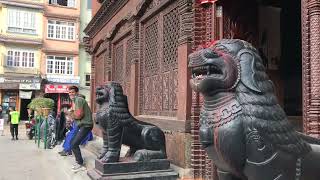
(76, 140)
(14, 129)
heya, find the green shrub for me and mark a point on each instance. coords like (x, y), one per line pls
(40, 102)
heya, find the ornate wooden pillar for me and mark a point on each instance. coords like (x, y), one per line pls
(89, 49)
(310, 10)
(134, 77)
(184, 49)
(107, 61)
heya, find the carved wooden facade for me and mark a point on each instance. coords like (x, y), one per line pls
(159, 63)
(144, 45)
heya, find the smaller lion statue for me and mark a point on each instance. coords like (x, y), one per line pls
(146, 141)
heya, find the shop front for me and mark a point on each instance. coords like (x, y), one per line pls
(17, 92)
(59, 93)
(57, 89)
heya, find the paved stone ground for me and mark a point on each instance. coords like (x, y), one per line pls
(22, 159)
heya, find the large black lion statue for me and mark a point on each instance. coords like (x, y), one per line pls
(242, 127)
(146, 141)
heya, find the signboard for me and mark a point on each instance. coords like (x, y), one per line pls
(63, 79)
(55, 88)
(25, 94)
(19, 80)
(30, 86)
(8, 82)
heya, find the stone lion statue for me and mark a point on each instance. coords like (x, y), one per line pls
(146, 141)
(242, 127)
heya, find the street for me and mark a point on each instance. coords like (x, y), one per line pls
(22, 159)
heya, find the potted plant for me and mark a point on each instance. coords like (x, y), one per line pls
(41, 105)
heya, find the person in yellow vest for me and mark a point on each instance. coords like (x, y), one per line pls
(15, 118)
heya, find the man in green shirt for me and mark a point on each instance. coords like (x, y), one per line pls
(14, 122)
(82, 115)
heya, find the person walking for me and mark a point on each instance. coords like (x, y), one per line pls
(14, 117)
(82, 115)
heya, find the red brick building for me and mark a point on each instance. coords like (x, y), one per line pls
(144, 45)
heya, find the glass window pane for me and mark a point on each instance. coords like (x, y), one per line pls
(58, 32)
(33, 21)
(70, 67)
(26, 19)
(87, 77)
(57, 67)
(63, 32)
(89, 5)
(50, 31)
(16, 59)
(18, 19)
(10, 58)
(31, 59)
(63, 68)
(60, 58)
(70, 33)
(49, 66)
(71, 3)
(24, 59)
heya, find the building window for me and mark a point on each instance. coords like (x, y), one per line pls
(88, 78)
(61, 30)
(21, 21)
(67, 3)
(89, 4)
(17, 58)
(60, 65)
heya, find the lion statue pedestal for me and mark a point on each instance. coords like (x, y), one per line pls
(242, 127)
(146, 158)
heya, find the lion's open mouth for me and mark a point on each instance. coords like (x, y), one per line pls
(202, 72)
(99, 94)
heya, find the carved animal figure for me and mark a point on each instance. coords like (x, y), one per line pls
(243, 129)
(146, 141)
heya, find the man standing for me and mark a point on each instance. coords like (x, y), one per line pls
(82, 115)
(14, 122)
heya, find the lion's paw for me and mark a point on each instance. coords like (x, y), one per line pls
(102, 154)
(110, 157)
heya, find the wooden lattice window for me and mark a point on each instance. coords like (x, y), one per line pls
(159, 64)
(170, 39)
(129, 57)
(151, 48)
(118, 62)
(99, 65)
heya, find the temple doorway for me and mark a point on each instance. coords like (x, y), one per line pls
(274, 28)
